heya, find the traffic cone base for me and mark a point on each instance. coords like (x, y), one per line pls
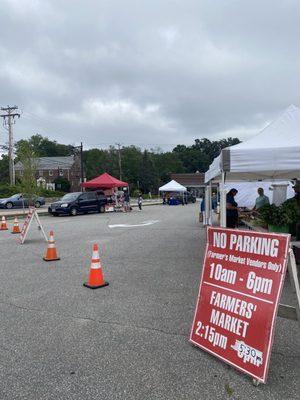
(16, 228)
(51, 259)
(51, 254)
(96, 279)
(3, 226)
(95, 287)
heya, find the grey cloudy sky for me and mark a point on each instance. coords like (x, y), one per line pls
(147, 72)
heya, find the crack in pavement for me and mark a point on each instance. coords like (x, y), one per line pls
(93, 320)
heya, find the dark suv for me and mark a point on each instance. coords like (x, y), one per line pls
(78, 202)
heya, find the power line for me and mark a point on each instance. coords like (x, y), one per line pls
(8, 121)
(38, 121)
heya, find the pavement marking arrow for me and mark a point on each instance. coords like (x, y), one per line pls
(145, 223)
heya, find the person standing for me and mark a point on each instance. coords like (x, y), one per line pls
(140, 202)
(185, 198)
(202, 209)
(261, 200)
(127, 201)
(214, 201)
(232, 215)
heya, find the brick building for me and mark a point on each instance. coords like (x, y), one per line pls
(193, 182)
(50, 168)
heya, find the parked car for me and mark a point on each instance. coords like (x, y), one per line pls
(18, 200)
(78, 202)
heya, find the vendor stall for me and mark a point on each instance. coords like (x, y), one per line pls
(173, 187)
(110, 186)
(273, 154)
(247, 191)
(104, 181)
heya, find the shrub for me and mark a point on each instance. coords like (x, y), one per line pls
(50, 193)
(62, 184)
(277, 216)
(7, 191)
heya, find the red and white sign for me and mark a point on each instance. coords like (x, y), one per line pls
(26, 225)
(240, 287)
(32, 214)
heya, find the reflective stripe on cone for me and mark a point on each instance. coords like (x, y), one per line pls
(51, 254)
(3, 226)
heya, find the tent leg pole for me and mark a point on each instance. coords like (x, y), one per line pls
(208, 205)
(223, 202)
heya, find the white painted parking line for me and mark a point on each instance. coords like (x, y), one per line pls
(145, 223)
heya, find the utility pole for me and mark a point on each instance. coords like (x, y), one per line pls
(120, 161)
(81, 164)
(8, 121)
(79, 149)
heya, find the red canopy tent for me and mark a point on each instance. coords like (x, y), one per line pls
(104, 181)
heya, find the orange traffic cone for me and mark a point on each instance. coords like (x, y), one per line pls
(51, 254)
(3, 226)
(16, 228)
(96, 279)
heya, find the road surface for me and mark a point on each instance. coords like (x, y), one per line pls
(60, 340)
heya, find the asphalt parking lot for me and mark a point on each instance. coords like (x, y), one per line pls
(60, 340)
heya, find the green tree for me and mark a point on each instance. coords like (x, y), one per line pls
(44, 147)
(131, 162)
(4, 169)
(144, 170)
(28, 159)
(62, 184)
(96, 162)
(113, 161)
(148, 176)
(167, 163)
(192, 158)
(200, 155)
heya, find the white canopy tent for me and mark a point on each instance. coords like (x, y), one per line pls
(172, 186)
(272, 154)
(247, 191)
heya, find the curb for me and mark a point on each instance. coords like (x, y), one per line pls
(12, 215)
(21, 216)
(146, 205)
